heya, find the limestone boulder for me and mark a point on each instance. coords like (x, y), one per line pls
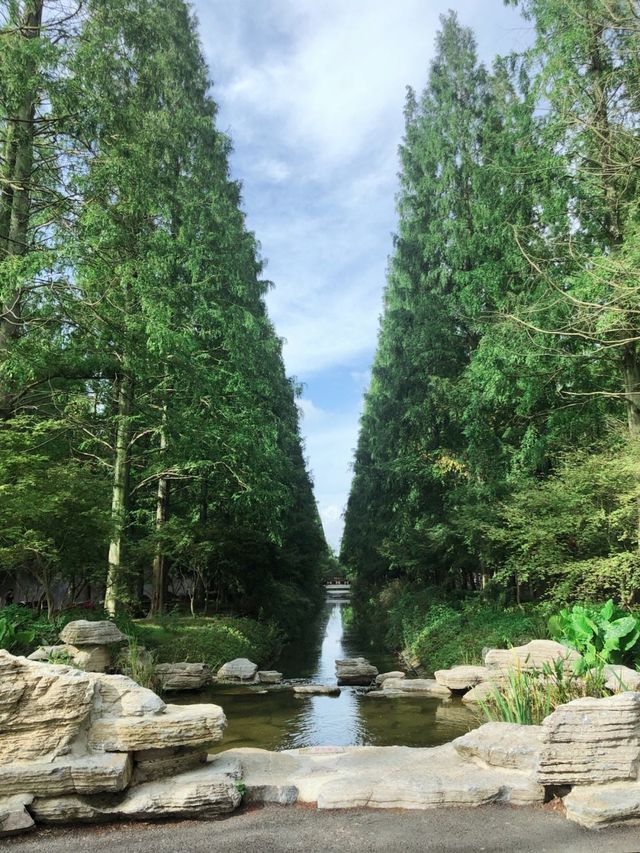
(269, 676)
(82, 632)
(480, 693)
(462, 677)
(416, 686)
(89, 658)
(355, 671)
(82, 774)
(595, 806)
(533, 655)
(204, 793)
(43, 708)
(120, 696)
(396, 673)
(44, 653)
(152, 764)
(316, 690)
(507, 745)
(178, 725)
(240, 669)
(14, 817)
(591, 741)
(183, 676)
(621, 678)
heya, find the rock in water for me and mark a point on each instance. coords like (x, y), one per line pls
(316, 690)
(355, 671)
(183, 676)
(590, 741)
(417, 686)
(462, 677)
(269, 676)
(240, 669)
(380, 679)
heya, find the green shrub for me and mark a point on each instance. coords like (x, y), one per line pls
(600, 634)
(139, 664)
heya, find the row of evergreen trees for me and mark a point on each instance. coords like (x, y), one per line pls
(498, 443)
(148, 431)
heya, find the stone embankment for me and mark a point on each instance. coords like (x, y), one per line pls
(81, 746)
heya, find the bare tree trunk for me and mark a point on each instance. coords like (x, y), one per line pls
(16, 191)
(162, 511)
(115, 581)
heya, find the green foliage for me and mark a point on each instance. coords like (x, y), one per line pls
(139, 664)
(214, 640)
(16, 634)
(601, 635)
(528, 696)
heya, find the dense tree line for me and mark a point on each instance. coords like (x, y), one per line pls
(499, 442)
(149, 435)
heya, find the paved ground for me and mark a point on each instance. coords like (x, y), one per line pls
(283, 830)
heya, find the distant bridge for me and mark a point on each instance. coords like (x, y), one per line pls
(338, 585)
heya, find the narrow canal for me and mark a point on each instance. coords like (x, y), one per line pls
(276, 719)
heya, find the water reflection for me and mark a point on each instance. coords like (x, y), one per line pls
(278, 720)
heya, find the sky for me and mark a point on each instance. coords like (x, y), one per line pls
(312, 94)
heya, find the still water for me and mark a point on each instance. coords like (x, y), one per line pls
(276, 719)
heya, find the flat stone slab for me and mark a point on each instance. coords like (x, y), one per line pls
(422, 686)
(85, 774)
(355, 671)
(82, 632)
(595, 806)
(316, 690)
(462, 677)
(179, 725)
(378, 777)
(507, 745)
(204, 793)
(183, 676)
(240, 669)
(269, 676)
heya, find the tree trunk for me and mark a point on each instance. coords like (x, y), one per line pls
(16, 196)
(115, 581)
(162, 509)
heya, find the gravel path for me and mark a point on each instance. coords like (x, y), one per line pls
(281, 830)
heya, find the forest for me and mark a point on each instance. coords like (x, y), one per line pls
(497, 461)
(150, 450)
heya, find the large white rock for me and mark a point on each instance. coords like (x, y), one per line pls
(43, 708)
(120, 696)
(594, 806)
(202, 793)
(507, 745)
(85, 633)
(179, 725)
(89, 658)
(82, 774)
(462, 677)
(14, 817)
(480, 693)
(183, 676)
(240, 669)
(589, 741)
(533, 655)
(355, 671)
(418, 686)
